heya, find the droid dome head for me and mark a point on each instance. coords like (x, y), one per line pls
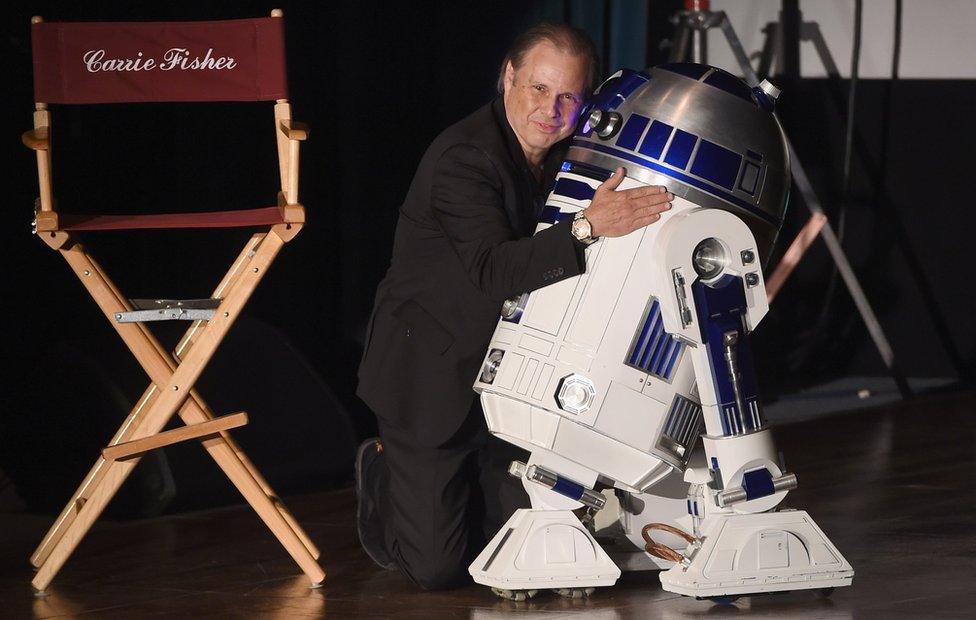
(697, 129)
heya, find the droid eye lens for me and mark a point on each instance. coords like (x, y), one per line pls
(596, 117)
(604, 123)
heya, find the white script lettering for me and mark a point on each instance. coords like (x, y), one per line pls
(174, 58)
(179, 58)
(95, 61)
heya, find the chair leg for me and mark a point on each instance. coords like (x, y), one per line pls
(91, 481)
(181, 350)
(285, 513)
(267, 509)
(69, 513)
(196, 411)
(114, 474)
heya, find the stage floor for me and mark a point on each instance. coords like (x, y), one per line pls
(894, 487)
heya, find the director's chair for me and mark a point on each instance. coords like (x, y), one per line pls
(116, 62)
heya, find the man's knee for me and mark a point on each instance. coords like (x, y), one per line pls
(440, 573)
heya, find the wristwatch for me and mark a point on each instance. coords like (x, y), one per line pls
(581, 228)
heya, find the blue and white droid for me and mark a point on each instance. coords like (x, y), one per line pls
(608, 378)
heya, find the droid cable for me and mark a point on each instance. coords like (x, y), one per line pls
(660, 550)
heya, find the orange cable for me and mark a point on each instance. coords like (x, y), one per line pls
(661, 550)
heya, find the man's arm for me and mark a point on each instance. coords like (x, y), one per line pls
(468, 205)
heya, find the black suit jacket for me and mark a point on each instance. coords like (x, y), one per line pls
(463, 245)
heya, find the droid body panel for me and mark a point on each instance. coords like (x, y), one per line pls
(608, 378)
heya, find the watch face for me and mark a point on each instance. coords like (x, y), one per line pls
(581, 229)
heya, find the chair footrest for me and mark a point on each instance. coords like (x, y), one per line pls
(137, 447)
(168, 310)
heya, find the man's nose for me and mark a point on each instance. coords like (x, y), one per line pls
(552, 108)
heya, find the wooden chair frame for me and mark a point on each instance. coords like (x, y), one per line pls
(173, 375)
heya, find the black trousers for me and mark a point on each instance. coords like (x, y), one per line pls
(439, 506)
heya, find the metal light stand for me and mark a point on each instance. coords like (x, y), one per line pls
(691, 28)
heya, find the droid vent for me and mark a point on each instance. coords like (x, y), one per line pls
(683, 422)
(655, 351)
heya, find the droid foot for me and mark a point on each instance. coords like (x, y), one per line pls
(746, 554)
(543, 549)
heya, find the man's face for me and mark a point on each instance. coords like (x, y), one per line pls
(543, 98)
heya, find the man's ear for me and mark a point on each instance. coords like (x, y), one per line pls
(509, 75)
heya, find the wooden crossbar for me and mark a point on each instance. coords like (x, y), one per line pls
(128, 449)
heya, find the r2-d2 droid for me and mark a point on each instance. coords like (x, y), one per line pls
(608, 378)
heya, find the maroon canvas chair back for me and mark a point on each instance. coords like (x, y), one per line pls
(133, 62)
(120, 62)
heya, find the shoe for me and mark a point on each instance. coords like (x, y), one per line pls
(368, 523)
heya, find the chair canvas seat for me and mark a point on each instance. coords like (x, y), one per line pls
(88, 63)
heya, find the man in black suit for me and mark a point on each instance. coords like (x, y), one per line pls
(434, 489)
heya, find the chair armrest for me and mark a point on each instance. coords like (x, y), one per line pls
(294, 130)
(36, 139)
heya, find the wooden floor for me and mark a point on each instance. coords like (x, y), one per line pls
(895, 489)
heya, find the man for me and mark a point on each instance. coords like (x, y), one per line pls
(435, 489)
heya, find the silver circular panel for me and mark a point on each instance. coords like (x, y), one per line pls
(490, 368)
(510, 307)
(710, 258)
(575, 394)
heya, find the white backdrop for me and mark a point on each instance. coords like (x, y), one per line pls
(938, 36)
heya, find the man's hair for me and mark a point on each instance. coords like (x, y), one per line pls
(564, 37)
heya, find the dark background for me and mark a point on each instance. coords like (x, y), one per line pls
(377, 81)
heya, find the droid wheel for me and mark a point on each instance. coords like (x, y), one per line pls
(514, 595)
(723, 600)
(825, 592)
(574, 592)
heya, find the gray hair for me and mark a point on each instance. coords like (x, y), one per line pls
(564, 37)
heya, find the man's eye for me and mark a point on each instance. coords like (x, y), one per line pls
(539, 88)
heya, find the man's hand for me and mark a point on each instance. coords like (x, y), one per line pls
(615, 214)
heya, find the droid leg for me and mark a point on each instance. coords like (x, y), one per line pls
(742, 544)
(547, 546)
(619, 526)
